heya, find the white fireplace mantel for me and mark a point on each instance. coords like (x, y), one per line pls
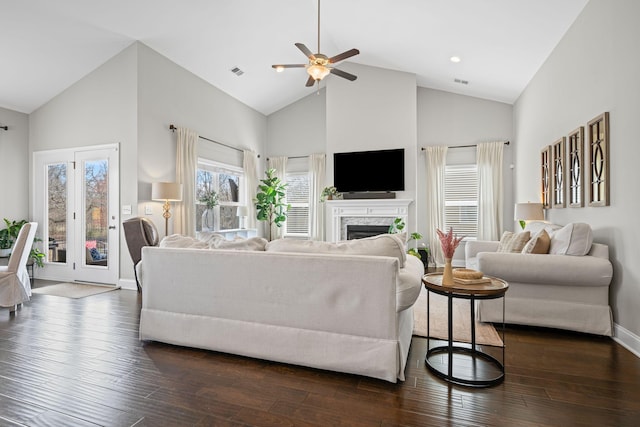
(363, 211)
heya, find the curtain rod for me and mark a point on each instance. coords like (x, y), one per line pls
(172, 128)
(4, 127)
(466, 146)
(293, 157)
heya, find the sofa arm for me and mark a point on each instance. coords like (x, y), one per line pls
(409, 283)
(547, 269)
(472, 247)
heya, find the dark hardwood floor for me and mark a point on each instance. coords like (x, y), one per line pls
(66, 362)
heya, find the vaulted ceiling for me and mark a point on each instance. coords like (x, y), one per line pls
(46, 46)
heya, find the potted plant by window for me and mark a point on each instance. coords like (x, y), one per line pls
(329, 193)
(270, 201)
(398, 226)
(210, 199)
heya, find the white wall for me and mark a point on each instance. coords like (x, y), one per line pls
(375, 112)
(594, 69)
(446, 118)
(169, 94)
(101, 108)
(299, 129)
(132, 99)
(14, 161)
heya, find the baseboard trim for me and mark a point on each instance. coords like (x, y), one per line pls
(627, 339)
(128, 284)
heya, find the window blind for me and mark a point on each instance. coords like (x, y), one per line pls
(461, 199)
(298, 197)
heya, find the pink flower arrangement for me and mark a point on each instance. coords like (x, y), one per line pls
(449, 242)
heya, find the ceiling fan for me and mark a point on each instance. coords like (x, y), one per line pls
(320, 65)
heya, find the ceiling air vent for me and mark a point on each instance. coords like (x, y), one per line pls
(237, 71)
(462, 82)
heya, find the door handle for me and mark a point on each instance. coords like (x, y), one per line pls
(112, 227)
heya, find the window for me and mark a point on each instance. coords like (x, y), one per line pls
(297, 224)
(461, 199)
(225, 180)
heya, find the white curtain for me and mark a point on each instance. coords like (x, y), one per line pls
(436, 160)
(250, 166)
(316, 184)
(186, 165)
(280, 166)
(490, 189)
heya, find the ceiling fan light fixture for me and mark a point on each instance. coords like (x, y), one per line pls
(279, 69)
(317, 71)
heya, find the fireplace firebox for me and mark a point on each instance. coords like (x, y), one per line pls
(362, 231)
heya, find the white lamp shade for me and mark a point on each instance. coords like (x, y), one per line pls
(242, 211)
(166, 191)
(529, 212)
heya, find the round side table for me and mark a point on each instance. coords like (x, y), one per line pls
(464, 363)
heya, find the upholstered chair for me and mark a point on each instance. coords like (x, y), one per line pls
(15, 284)
(139, 232)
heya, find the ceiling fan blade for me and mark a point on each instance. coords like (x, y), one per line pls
(310, 82)
(343, 74)
(276, 66)
(344, 55)
(306, 51)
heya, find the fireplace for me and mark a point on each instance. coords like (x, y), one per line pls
(362, 231)
(370, 212)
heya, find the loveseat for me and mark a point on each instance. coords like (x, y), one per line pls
(343, 306)
(564, 287)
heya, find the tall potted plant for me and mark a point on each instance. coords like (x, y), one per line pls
(270, 201)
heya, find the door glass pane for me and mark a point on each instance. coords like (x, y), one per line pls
(57, 212)
(96, 180)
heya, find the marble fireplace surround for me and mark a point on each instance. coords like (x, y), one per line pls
(341, 213)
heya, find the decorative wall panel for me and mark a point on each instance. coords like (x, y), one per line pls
(598, 151)
(576, 167)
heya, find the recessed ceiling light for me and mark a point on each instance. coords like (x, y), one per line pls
(455, 59)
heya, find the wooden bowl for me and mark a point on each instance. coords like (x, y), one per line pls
(466, 273)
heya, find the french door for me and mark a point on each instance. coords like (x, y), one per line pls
(76, 206)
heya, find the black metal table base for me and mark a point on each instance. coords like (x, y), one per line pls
(480, 361)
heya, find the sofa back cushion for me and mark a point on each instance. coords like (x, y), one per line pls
(180, 241)
(573, 239)
(250, 244)
(513, 242)
(381, 245)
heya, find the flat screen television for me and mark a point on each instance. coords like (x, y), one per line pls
(361, 171)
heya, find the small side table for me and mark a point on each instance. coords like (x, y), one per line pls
(481, 368)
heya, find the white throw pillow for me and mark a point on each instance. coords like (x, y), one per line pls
(574, 238)
(381, 245)
(513, 242)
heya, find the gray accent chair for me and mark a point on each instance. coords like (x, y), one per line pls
(139, 232)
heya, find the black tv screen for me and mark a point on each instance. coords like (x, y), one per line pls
(360, 171)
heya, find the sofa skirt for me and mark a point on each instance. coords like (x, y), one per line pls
(372, 357)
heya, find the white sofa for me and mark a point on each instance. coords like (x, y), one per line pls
(567, 289)
(304, 303)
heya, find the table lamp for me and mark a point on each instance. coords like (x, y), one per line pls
(242, 213)
(166, 192)
(528, 212)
